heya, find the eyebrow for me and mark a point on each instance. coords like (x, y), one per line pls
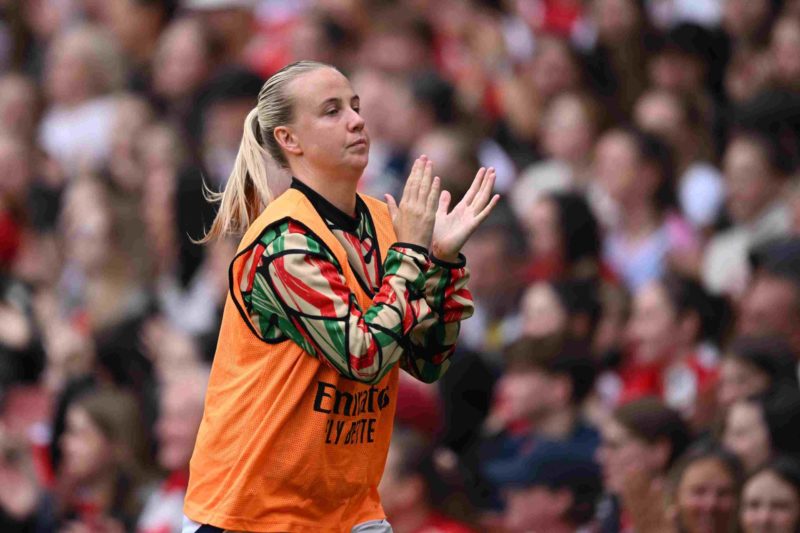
(337, 100)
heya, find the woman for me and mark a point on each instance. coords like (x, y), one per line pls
(636, 170)
(771, 499)
(755, 365)
(640, 442)
(103, 477)
(760, 427)
(672, 320)
(330, 294)
(704, 491)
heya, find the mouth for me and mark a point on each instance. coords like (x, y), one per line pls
(360, 142)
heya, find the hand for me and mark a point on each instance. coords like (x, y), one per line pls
(453, 229)
(414, 218)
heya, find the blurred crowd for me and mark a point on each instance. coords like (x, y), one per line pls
(633, 362)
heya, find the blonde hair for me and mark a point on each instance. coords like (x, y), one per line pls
(247, 191)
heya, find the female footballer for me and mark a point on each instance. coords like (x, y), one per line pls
(331, 293)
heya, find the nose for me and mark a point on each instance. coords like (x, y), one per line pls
(356, 121)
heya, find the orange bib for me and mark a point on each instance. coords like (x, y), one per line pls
(286, 443)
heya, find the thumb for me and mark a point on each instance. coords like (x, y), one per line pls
(390, 202)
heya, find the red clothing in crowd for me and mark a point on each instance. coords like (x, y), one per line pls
(437, 523)
(679, 383)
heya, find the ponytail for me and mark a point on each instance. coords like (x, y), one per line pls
(247, 191)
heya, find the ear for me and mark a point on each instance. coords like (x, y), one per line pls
(287, 140)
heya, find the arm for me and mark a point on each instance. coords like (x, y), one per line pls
(446, 293)
(298, 291)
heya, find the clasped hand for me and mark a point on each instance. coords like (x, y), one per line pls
(422, 216)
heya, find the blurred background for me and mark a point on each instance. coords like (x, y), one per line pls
(633, 361)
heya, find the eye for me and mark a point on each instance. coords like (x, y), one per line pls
(332, 111)
(357, 109)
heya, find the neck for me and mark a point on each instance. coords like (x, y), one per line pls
(338, 190)
(410, 521)
(558, 425)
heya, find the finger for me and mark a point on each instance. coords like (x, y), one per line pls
(476, 184)
(433, 196)
(391, 204)
(480, 217)
(425, 182)
(410, 190)
(444, 203)
(485, 191)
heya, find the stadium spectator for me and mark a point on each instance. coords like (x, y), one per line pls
(640, 443)
(771, 498)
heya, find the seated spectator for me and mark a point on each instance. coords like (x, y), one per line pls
(539, 400)
(103, 477)
(181, 409)
(570, 307)
(754, 365)
(771, 303)
(551, 490)
(771, 498)
(672, 320)
(761, 427)
(564, 238)
(83, 66)
(755, 182)
(640, 443)
(700, 186)
(637, 171)
(411, 486)
(704, 491)
(569, 128)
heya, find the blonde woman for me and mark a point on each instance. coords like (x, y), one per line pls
(331, 294)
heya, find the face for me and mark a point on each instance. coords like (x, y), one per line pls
(739, 380)
(749, 179)
(741, 18)
(535, 509)
(660, 114)
(785, 50)
(568, 130)
(653, 324)
(17, 106)
(67, 76)
(617, 166)
(769, 505)
(746, 435)
(543, 225)
(526, 394)
(542, 312)
(552, 70)
(87, 452)
(621, 453)
(181, 62)
(616, 19)
(179, 419)
(328, 131)
(769, 307)
(706, 498)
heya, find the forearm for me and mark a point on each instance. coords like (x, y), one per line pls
(446, 292)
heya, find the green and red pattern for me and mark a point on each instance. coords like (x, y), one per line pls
(293, 287)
